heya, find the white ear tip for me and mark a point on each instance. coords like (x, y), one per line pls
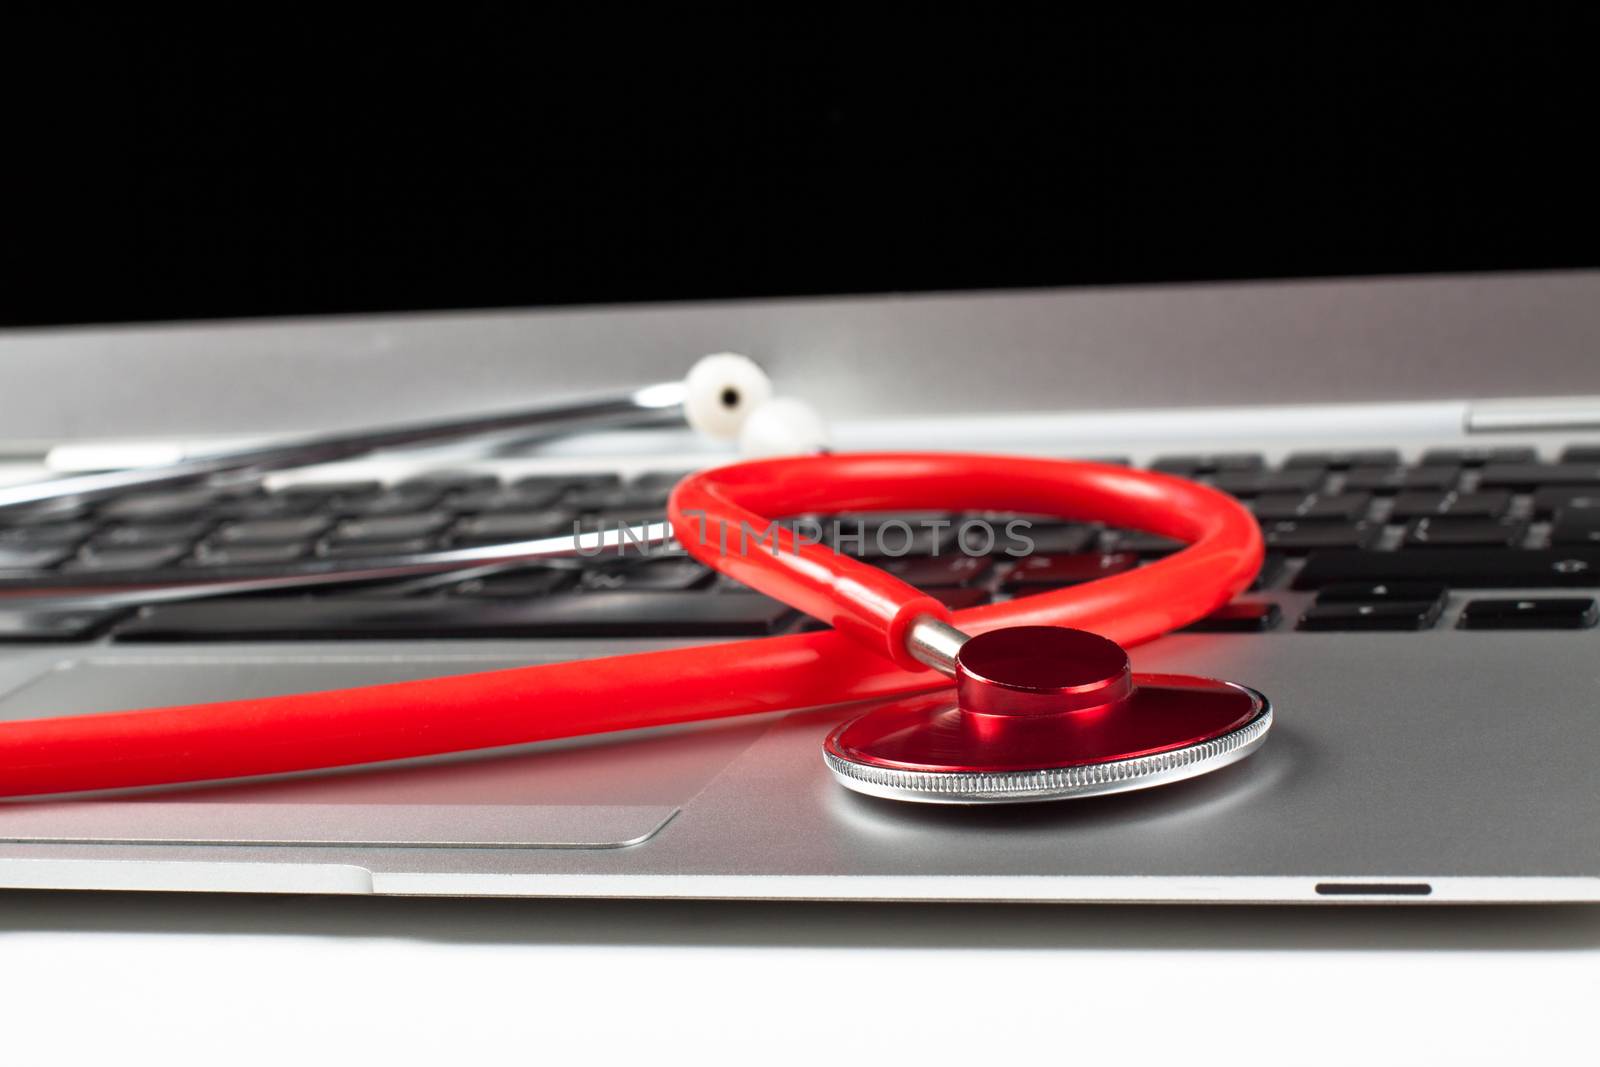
(723, 389)
(783, 427)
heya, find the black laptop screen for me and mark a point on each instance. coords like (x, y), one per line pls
(329, 170)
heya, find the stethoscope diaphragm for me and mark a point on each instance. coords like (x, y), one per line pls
(1046, 713)
(852, 769)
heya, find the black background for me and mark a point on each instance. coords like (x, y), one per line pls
(292, 164)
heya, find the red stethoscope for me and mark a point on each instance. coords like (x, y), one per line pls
(1043, 704)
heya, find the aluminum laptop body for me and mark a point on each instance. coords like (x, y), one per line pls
(1441, 763)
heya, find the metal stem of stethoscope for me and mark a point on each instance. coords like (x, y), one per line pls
(723, 396)
(651, 405)
(935, 643)
(461, 564)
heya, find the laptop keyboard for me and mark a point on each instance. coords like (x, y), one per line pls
(1379, 545)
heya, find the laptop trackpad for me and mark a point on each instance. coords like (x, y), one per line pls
(598, 792)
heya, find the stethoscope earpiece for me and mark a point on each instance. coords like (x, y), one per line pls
(728, 397)
(720, 392)
(783, 426)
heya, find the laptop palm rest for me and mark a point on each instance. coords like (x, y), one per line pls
(375, 825)
(585, 793)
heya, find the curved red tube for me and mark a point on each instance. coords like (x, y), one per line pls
(723, 518)
(373, 723)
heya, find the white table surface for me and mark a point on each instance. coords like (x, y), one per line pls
(255, 979)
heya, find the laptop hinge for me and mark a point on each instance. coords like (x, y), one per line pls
(1534, 415)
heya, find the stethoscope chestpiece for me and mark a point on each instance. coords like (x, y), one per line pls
(1046, 713)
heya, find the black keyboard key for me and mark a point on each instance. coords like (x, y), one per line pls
(1401, 479)
(523, 499)
(1036, 573)
(390, 528)
(324, 491)
(659, 480)
(160, 507)
(1546, 613)
(1369, 457)
(522, 583)
(1578, 526)
(448, 481)
(126, 559)
(1477, 456)
(273, 531)
(1537, 475)
(32, 557)
(1292, 538)
(1258, 483)
(55, 624)
(1283, 507)
(1236, 461)
(1458, 568)
(1385, 615)
(892, 543)
(49, 511)
(850, 521)
(1145, 545)
(1581, 454)
(1032, 539)
(249, 555)
(1547, 502)
(1271, 567)
(569, 481)
(1486, 505)
(1451, 532)
(394, 502)
(1240, 617)
(564, 615)
(1189, 466)
(512, 526)
(940, 571)
(46, 534)
(138, 535)
(625, 517)
(671, 575)
(274, 506)
(1373, 592)
(879, 536)
(378, 549)
(609, 501)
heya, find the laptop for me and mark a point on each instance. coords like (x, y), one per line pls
(1423, 456)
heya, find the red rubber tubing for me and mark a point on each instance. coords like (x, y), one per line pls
(723, 518)
(342, 727)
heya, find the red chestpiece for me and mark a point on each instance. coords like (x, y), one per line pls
(1031, 700)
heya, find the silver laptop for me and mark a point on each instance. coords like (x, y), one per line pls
(1423, 456)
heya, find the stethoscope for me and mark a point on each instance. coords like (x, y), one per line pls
(1044, 703)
